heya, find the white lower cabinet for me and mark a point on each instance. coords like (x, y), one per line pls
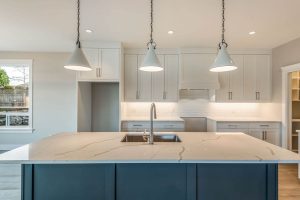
(267, 131)
(269, 135)
(158, 126)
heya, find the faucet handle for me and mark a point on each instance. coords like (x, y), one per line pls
(146, 136)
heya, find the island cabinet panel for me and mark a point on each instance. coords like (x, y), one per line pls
(155, 182)
(237, 181)
(68, 181)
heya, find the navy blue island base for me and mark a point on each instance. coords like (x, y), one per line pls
(150, 181)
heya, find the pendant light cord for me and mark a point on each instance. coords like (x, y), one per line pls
(151, 26)
(223, 26)
(78, 23)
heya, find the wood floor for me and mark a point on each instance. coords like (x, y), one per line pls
(289, 184)
(10, 182)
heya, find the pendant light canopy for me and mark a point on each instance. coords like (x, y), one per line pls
(151, 62)
(78, 61)
(223, 62)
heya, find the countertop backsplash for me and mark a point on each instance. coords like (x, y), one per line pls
(203, 108)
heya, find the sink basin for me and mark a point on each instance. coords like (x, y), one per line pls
(157, 138)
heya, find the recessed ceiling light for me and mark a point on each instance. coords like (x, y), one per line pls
(252, 32)
(170, 32)
(88, 31)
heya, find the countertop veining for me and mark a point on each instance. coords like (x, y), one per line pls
(107, 148)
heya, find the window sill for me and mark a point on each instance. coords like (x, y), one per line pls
(16, 130)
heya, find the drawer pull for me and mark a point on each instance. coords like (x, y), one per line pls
(137, 125)
(264, 125)
(232, 125)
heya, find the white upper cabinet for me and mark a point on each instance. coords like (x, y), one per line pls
(251, 82)
(131, 77)
(109, 64)
(144, 92)
(105, 65)
(257, 77)
(195, 72)
(165, 83)
(231, 83)
(158, 81)
(159, 86)
(171, 67)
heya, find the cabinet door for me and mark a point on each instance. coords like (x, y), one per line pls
(93, 57)
(236, 79)
(151, 182)
(272, 136)
(158, 81)
(76, 182)
(250, 77)
(257, 78)
(131, 77)
(144, 83)
(223, 94)
(256, 133)
(263, 77)
(171, 78)
(109, 64)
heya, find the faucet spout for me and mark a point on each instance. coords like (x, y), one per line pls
(152, 115)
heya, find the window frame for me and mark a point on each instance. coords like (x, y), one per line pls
(29, 128)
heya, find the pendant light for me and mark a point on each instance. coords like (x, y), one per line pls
(223, 62)
(151, 62)
(78, 61)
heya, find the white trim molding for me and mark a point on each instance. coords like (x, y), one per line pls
(286, 124)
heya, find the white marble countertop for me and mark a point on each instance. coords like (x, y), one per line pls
(162, 119)
(107, 148)
(242, 119)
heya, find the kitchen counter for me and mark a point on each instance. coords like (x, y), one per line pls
(107, 148)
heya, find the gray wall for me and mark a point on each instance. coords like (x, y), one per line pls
(283, 55)
(54, 97)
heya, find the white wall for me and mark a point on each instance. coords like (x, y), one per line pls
(54, 97)
(283, 55)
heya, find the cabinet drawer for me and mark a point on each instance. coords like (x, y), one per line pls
(157, 125)
(232, 125)
(264, 125)
(246, 131)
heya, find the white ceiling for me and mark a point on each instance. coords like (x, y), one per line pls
(49, 25)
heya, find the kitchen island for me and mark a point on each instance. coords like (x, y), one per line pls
(209, 166)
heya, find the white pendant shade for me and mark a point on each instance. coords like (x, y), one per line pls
(223, 62)
(78, 61)
(151, 62)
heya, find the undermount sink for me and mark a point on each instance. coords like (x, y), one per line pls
(157, 138)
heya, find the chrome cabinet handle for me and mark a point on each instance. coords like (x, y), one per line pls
(257, 95)
(164, 95)
(230, 95)
(264, 125)
(98, 72)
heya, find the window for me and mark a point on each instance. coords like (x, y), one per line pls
(15, 96)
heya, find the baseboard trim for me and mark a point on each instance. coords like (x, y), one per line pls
(7, 147)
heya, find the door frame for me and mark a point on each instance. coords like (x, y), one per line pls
(286, 107)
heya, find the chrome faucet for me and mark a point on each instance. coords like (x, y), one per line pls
(152, 115)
